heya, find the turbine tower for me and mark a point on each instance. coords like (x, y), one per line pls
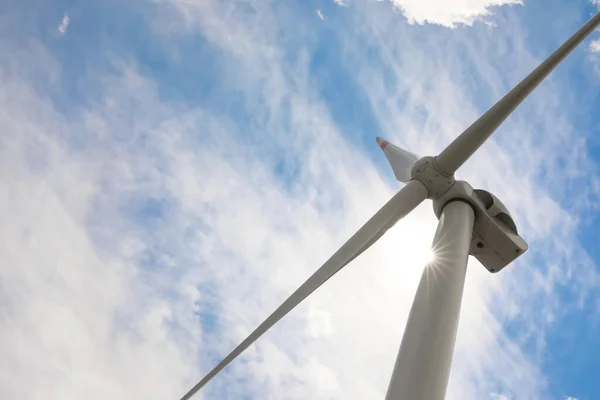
(471, 222)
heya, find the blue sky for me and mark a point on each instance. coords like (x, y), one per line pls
(171, 170)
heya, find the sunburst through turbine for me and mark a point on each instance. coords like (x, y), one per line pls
(471, 222)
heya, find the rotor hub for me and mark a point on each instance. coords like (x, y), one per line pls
(429, 174)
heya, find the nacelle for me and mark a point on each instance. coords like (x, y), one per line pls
(496, 241)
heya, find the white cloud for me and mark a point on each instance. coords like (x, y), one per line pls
(320, 14)
(594, 46)
(448, 12)
(64, 25)
(78, 316)
(319, 323)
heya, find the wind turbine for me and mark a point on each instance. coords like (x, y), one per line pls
(471, 222)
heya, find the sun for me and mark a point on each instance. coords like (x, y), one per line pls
(430, 256)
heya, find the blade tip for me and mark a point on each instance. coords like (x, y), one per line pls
(382, 142)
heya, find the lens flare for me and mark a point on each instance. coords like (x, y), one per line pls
(430, 257)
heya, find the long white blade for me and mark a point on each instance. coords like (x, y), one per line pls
(406, 200)
(463, 147)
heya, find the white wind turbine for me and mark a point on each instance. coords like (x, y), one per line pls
(471, 222)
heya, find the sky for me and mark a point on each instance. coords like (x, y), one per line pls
(171, 170)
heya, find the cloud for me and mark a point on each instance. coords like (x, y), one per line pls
(64, 25)
(449, 12)
(320, 14)
(92, 319)
(146, 234)
(594, 46)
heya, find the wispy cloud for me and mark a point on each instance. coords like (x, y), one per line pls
(594, 46)
(320, 14)
(64, 25)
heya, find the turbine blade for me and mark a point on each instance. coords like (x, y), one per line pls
(463, 147)
(403, 202)
(401, 160)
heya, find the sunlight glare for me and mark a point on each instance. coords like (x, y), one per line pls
(430, 257)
